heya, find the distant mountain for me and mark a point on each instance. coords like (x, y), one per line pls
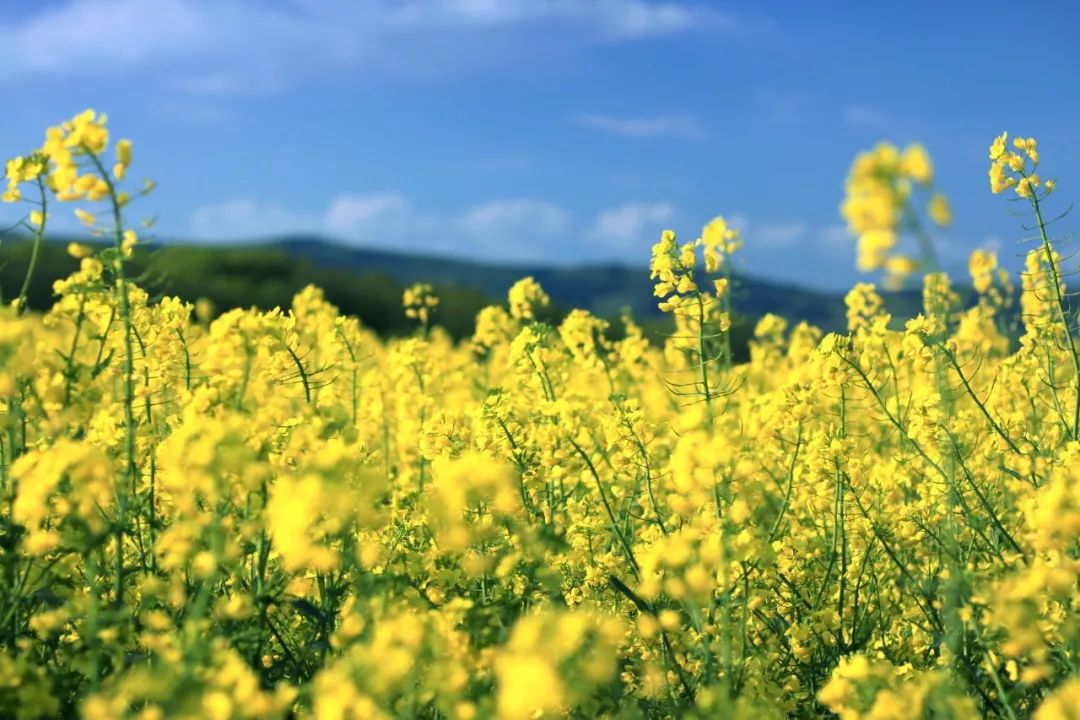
(604, 289)
(368, 282)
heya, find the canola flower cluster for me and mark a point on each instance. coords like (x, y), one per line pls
(278, 514)
(880, 208)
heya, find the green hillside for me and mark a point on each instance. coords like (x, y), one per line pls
(368, 283)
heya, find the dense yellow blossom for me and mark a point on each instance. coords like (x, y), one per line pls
(1016, 170)
(419, 300)
(880, 209)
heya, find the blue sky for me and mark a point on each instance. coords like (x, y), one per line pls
(556, 130)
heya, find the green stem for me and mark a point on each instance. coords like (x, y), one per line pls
(131, 471)
(703, 366)
(607, 507)
(39, 234)
(986, 413)
(1059, 302)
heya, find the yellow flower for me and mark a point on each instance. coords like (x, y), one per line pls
(127, 245)
(84, 217)
(1062, 704)
(939, 210)
(997, 148)
(981, 265)
(217, 705)
(528, 686)
(526, 298)
(79, 251)
(204, 564)
(998, 178)
(915, 163)
(123, 152)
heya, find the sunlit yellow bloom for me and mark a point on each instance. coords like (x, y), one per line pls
(79, 250)
(939, 210)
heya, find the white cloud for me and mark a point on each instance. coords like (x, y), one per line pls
(100, 33)
(516, 228)
(245, 218)
(837, 241)
(836, 236)
(243, 46)
(783, 234)
(215, 47)
(514, 222)
(739, 221)
(866, 117)
(662, 125)
(627, 19)
(611, 19)
(769, 235)
(352, 215)
(631, 224)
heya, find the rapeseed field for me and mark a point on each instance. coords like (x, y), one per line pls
(279, 514)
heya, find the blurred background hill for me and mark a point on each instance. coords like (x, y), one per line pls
(368, 283)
